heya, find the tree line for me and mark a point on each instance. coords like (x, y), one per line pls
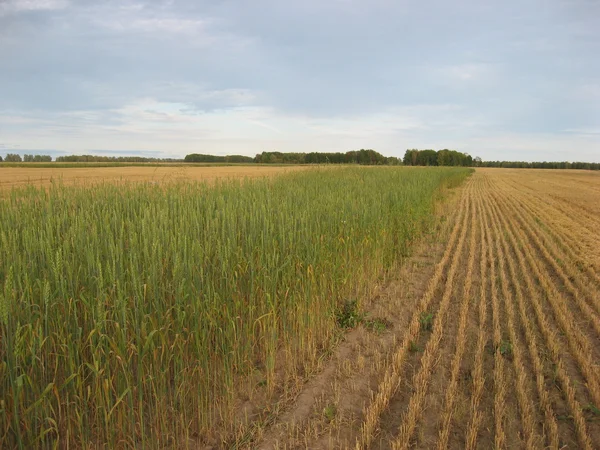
(366, 157)
(363, 156)
(118, 159)
(414, 157)
(539, 165)
(15, 157)
(201, 158)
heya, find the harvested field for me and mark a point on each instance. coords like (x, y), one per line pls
(494, 332)
(43, 176)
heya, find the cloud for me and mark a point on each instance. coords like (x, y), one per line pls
(157, 25)
(236, 76)
(17, 6)
(468, 72)
(584, 131)
(9, 146)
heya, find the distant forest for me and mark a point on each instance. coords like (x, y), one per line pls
(14, 157)
(412, 157)
(119, 159)
(539, 165)
(200, 158)
(446, 157)
(364, 157)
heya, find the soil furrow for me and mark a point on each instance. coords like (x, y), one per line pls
(451, 389)
(548, 332)
(388, 385)
(477, 414)
(547, 251)
(421, 380)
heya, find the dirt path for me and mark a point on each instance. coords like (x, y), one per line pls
(493, 336)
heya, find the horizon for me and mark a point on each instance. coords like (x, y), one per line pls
(116, 153)
(164, 79)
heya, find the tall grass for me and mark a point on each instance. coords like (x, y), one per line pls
(129, 313)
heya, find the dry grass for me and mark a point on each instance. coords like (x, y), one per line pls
(478, 372)
(41, 176)
(422, 378)
(451, 392)
(553, 345)
(499, 372)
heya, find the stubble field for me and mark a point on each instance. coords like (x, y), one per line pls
(496, 333)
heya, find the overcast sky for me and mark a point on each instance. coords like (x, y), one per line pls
(497, 79)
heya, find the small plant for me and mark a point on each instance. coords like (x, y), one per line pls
(426, 321)
(330, 412)
(413, 347)
(348, 316)
(565, 417)
(377, 325)
(593, 409)
(506, 349)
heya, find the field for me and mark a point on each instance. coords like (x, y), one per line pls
(28, 174)
(329, 308)
(493, 333)
(141, 314)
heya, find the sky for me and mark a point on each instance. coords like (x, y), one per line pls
(509, 80)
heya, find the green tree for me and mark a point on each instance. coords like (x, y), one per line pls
(445, 158)
(410, 157)
(427, 158)
(13, 157)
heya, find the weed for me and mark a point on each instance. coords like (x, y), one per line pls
(593, 409)
(413, 347)
(506, 348)
(330, 412)
(377, 325)
(565, 417)
(426, 321)
(349, 316)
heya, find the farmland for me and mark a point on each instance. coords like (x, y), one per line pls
(85, 174)
(331, 308)
(147, 315)
(493, 332)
